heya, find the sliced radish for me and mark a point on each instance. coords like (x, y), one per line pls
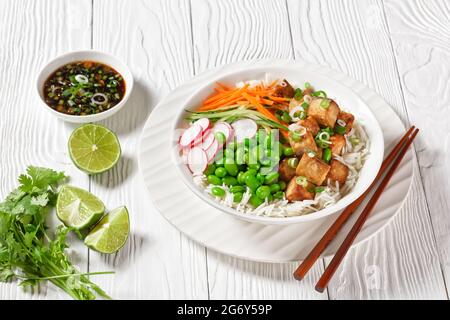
(190, 135)
(225, 128)
(204, 123)
(207, 141)
(211, 152)
(244, 128)
(197, 160)
(184, 153)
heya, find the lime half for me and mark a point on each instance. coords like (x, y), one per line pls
(111, 233)
(94, 148)
(78, 208)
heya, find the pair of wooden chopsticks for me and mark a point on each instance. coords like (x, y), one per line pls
(394, 158)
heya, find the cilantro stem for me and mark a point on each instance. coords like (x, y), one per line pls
(66, 275)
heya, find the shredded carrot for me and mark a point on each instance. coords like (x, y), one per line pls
(256, 96)
(235, 96)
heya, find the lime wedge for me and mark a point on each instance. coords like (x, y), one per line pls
(111, 233)
(94, 148)
(78, 208)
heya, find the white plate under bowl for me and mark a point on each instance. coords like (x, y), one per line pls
(253, 241)
(345, 97)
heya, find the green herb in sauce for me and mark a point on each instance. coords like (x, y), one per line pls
(83, 88)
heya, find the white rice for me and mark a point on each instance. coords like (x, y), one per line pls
(354, 156)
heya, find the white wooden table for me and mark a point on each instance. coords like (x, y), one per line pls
(399, 48)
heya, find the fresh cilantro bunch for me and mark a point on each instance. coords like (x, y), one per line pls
(27, 251)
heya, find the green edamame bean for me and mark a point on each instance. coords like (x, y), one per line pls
(282, 185)
(237, 197)
(232, 145)
(263, 192)
(278, 195)
(235, 189)
(220, 137)
(326, 155)
(260, 177)
(240, 155)
(266, 162)
(231, 168)
(254, 166)
(219, 160)
(252, 182)
(268, 141)
(275, 188)
(218, 191)
(241, 177)
(253, 156)
(288, 151)
(220, 172)
(210, 169)
(229, 155)
(255, 201)
(215, 180)
(252, 172)
(230, 181)
(271, 177)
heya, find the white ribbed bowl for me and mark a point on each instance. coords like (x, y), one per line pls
(344, 96)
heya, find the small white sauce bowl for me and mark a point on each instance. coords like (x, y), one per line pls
(87, 55)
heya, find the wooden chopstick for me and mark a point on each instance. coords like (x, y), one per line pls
(315, 253)
(346, 244)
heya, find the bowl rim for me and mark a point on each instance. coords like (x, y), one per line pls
(47, 69)
(340, 204)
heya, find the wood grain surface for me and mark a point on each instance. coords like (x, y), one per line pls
(401, 49)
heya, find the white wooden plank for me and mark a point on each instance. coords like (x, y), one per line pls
(402, 260)
(33, 32)
(420, 32)
(226, 32)
(153, 38)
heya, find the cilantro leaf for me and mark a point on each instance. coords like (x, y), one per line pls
(40, 200)
(26, 246)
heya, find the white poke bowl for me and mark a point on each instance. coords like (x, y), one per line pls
(90, 55)
(344, 96)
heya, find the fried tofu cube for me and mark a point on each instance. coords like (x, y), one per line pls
(319, 153)
(337, 144)
(338, 172)
(296, 192)
(314, 169)
(286, 171)
(325, 116)
(284, 89)
(348, 118)
(306, 143)
(310, 124)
